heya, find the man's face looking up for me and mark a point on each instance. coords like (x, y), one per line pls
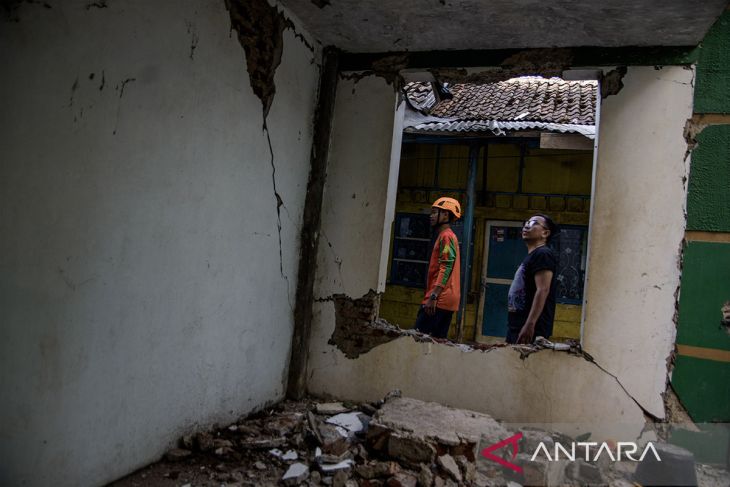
(535, 228)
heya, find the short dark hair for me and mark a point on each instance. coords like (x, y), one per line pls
(551, 225)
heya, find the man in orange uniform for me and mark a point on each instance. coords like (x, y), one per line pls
(443, 287)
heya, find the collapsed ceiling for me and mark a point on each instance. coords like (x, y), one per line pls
(425, 25)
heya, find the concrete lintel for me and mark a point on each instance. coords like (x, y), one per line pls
(582, 56)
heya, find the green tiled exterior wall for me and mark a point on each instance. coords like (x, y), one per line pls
(713, 69)
(703, 385)
(704, 388)
(708, 197)
(705, 287)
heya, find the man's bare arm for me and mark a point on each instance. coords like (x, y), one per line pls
(542, 282)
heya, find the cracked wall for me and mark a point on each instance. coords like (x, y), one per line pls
(631, 287)
(143, 273)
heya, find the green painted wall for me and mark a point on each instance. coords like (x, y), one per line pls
(708, 199)
(705, 388)
(703, 385)
(713, 69)
(705, 287)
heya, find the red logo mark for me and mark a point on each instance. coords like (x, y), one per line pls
(513, 440)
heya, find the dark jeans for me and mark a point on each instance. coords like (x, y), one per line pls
(436, 325)
(512, 334)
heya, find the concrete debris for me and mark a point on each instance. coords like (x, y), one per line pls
(315, 478)
(336, 466)
(456, 431)
(297, 472)
(339, 479)
(290, 455)
(543, 342)
(448, 464)
(333, 439)
(402, 479)
(468, 469)
(425, 476)
(377, 469)
(327, 458)
(349, 421)
(406, 442)
(328, 408)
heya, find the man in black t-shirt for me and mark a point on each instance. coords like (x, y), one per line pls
(531, 298)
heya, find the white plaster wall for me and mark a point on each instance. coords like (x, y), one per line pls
(547, 387)
(140, 280)
(354, 201)
(637, 229)
(638, 225)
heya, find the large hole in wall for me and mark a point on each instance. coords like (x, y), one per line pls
(508, 150)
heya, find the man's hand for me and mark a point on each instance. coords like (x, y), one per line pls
(430, 306)
(526, 333)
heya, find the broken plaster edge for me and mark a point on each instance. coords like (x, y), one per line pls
(389, 333)
(401, 364)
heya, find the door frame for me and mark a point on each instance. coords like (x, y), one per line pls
(484, 280)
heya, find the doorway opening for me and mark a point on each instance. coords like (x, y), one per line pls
(506, 151)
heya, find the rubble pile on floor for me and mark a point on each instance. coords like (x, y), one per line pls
(395, 442)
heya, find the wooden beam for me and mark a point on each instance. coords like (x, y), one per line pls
(565, 141)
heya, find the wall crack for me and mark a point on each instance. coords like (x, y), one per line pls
(121, 88)
(279, 204)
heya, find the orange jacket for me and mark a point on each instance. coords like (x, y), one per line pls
(444, 269)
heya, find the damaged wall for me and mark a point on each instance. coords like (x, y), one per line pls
(144, 286)
(633, 277)
(638, 227)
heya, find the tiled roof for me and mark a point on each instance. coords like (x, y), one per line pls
(519, 99)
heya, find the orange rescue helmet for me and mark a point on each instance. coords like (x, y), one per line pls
(448, 204)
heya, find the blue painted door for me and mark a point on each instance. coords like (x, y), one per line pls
(505, 251)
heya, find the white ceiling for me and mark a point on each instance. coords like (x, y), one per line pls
(425, 25)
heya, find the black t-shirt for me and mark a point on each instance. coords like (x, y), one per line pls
(522, 292)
